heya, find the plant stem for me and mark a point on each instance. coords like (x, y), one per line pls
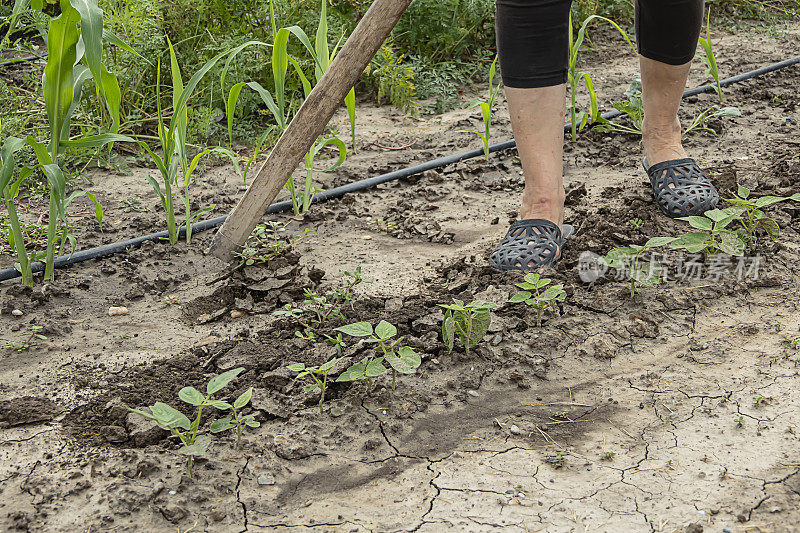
(51, 236)
(170, 208)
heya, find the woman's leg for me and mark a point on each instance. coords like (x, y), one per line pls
(533, 47)
(666, 33)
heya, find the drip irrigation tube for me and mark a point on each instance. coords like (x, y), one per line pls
(21, 60)
(338, 192)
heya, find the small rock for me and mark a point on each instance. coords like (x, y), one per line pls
(157, 488)
(393, 304)
(117, 311)
(114, 434)
(266, 479)
(218, 515)
(290, 447)
(173, 513)
(514, 430)
(237, 313)
(693, 528)
(116, 410)
(16, 312)
(473, 393)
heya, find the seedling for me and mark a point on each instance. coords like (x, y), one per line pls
(23, 345)
(628, 258)
(401, 359)
(608, 456)
(700, 122)
(486, 110)
(752, 218)
(235, 420)
(714, 235)
(319, 374)
(710, 60)
(739, 422)
(324, 307)
(760, 401)
(636, 223)
(266, 243)
(578, 120)
(194, 444)
(532, 294)
(468, 322)
(633, 108)
(556, 459)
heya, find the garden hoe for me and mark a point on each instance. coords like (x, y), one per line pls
(308, 124)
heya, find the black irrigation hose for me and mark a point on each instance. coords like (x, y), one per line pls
(21, 60)
(338, 192)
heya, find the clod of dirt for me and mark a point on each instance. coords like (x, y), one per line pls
(26, 410)
(142, 431)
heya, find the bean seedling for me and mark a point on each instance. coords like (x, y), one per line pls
(751, 215)
(532, 294)
(714, 235)
(469, 322)
(319, 374)
(266, 243)
(401, 359)
(194, 444)
(235, 420)
(700, 122)
(33, 333)
(628, 258)
(486, 111)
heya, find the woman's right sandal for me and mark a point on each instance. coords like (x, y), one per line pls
(529, 244)
(681, 188)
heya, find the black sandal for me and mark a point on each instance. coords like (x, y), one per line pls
(530, 244)
(681, 188)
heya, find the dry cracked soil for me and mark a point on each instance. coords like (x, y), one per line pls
(676, 410)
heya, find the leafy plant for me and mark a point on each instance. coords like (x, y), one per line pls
(709, 59)
(486, 111)
(556, 459)
(266, 243)
(714, 235)
(32, 333)
(578, 120)
(394, 78)
(401, 359)
(319, 375)
(235, 420)
(633, 108)
(628, 258)
(751, 215)
(174, 156)
(700, 122)
(194, 443)
(469, 322)
(532, 294)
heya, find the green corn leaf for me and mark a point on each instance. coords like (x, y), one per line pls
(280, 65)
(58, 79)
(406, 361)
(266, 97)
(200, 446)
(218, 382)
(116, 41)
(10, 146)
(96, 141)
(81, 74)
(321, 42)
(58, 185)
(338, 143)
(91, 17)
(358, 329)
(243, 399)
(98, 208)
(191, 396)
(350, 104)
(230, 107)
(112, 95)
(303, 78)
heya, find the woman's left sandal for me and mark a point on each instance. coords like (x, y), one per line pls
(529, 244)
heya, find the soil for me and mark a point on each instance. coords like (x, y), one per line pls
(677, 409)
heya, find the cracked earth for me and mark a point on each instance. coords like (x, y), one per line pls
(674, 411)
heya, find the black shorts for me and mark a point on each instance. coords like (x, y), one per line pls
(533, 42)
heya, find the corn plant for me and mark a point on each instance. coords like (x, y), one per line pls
(628, 258)
(709, 59)
(469, 322)
(174, 157)
(75, 48)
(318, 374)
(235, 420)
(578, 120)
(532, 294)
(486, 110)
(194, 443)
(714, 235)
(10, 190)
(322, 55)
(751, 217)
(401, 359)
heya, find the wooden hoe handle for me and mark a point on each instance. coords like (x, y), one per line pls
(308, 124)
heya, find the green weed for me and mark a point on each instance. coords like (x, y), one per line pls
(32, 333)
(318, 374)
(628, 258)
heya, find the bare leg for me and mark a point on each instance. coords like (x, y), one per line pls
(662, 88)
(537, 118)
